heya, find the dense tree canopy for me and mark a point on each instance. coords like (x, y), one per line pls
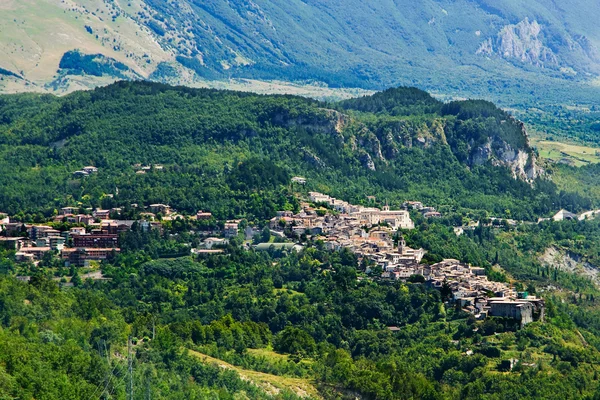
(233, 153)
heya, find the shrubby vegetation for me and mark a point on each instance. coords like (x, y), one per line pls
(92, 64)
(6, 72)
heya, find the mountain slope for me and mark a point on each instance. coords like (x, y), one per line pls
(232, 153)
(37, 33)
(484, 44)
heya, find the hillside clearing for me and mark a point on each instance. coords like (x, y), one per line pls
(567, 153)
(272, 384)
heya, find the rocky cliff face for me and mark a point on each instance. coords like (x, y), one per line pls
(382, 143)
(522, 42)
(567, 261)
(521, 161)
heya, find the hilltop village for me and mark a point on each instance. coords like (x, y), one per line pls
(373, 234)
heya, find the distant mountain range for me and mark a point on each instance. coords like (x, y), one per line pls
(464, 47)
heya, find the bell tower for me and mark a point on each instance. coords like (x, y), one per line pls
(386, 207)
(401, 244)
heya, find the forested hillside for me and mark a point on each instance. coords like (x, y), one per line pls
(234, 153)
(164, 318)
(301, 320)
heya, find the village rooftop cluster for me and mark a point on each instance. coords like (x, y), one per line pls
(373, 235)
(95, 236)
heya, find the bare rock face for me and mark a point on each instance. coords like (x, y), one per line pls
(367, 161)
(326, 121)
(315, 123)
(588, 47)
(481, 154)
(567, 261)
(346, 131)
(369, 141)
(522, 162)
(486, 48)
(522, 42)
(391, 149)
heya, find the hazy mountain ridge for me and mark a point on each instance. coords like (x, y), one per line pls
(343, 44)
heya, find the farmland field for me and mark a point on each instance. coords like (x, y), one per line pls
(567, 153)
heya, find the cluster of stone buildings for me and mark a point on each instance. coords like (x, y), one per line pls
(97, 235)
(367, 231)
(371, 233)
(309, 218)
(77, 246)
(427, 212)
(88, 217)
(475, 293)
(95, 239)
(230, 230)
(471, 290)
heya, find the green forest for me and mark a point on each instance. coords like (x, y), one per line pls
(233, 153)
(300, 317)
(165, 323)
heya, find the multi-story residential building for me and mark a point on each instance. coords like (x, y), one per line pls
(98, 241)
(203, 215)
(230, 229)
(160, 208)
(81, 257)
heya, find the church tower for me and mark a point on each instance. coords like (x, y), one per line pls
(401, 245)
(386, 207)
